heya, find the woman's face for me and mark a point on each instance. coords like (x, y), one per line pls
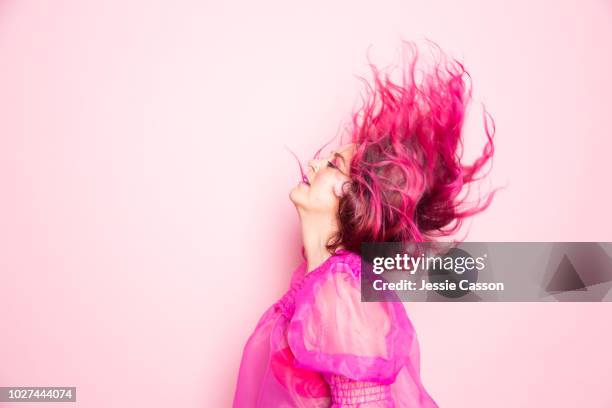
(323, 188)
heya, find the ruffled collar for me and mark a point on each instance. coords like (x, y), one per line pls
(286, 304)
(342, 255)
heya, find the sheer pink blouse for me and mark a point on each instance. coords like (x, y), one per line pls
(320, 346)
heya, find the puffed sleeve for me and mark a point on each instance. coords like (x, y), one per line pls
(333, 332)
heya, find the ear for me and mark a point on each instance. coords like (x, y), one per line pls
(341, 188)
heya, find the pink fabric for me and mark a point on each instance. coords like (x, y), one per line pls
(320, 346)
(352, 393)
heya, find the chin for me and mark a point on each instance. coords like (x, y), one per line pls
(295, 195)
(299, 197)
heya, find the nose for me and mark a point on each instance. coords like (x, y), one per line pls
(314, 164)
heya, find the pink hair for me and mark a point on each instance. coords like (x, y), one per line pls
(406, 172)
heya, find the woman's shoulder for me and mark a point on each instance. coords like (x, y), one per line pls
(340, 273)
(369, 340)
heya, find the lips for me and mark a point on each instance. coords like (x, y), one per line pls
(305, 178)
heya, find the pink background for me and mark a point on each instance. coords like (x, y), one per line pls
(144, 218)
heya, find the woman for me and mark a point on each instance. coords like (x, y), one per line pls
(398, 179)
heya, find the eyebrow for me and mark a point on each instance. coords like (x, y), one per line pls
(336, 154)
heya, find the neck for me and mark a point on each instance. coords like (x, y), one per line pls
(317, 229)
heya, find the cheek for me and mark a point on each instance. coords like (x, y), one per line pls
(322, 192)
